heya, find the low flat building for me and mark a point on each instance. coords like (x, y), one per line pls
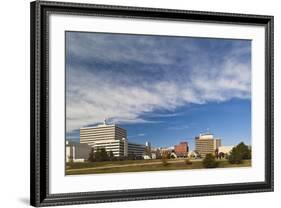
(117, 147)
(137, 150)
(76, 152)
(193, 154)
(225, 149)
(153, 156)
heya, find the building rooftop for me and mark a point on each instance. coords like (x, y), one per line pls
(72, 143)
(105, 141)
(134, 143)
(104, 124)
(98, 126)
(206, 135)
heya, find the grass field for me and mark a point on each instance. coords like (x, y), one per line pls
(140, 166)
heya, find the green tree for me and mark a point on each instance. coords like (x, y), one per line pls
(101, 155)
(217, 153)
(172, 157)
(239, 153)
(235, 156)
(165, 157)
(111, 155)
(91, 155)
(244, 150)
(132, 156)
(210, 161)
(221, 155)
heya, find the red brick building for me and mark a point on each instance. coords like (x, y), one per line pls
(181, 149)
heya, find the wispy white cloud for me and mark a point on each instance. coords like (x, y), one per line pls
(137, 135)
(163, 115)
(108, 47)
(179, 127)
(94, 94)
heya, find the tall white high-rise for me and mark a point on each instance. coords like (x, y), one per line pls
(109, 136)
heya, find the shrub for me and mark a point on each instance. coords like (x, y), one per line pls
(210, 161)
(165, 157)
(239, 153)
(172, 157)
(226, 156)
(131, 156)
(221, 155)
(91, 157)
(235, 156)
(100, 155)
(165, 162)
(187, 162)
(70, 159)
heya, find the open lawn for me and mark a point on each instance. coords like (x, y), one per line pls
(108, 163)
(141, 165)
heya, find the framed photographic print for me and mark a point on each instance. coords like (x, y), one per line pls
(131, 103)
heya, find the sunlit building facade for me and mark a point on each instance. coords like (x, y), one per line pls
(113, 139)
(109, 136)
(206, 144)
(181, 149)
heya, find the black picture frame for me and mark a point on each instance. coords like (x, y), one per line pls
(39, 177)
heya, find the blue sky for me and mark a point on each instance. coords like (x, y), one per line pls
(162, 89)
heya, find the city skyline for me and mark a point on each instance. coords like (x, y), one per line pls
(183, 132)
(161, 89)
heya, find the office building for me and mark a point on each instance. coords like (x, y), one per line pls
(117, 147)
(109, 136)
(137, 150)
(181, 149)
(206, 143)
